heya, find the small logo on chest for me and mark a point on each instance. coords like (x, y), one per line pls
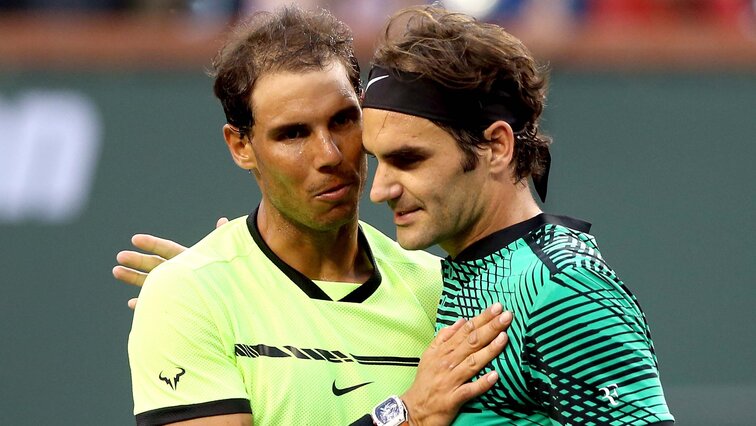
(610, 392)
(341, 391)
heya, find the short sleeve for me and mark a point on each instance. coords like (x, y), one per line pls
(182, 366)
(589, 354)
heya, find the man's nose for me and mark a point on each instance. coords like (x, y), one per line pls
(328, 152)
(385, 187)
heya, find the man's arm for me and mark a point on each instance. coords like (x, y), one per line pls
(182, 366)
(225, 420)
(134, 268)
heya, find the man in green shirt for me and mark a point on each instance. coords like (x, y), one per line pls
(451, 112)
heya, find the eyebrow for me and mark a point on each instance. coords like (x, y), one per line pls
(406, 151)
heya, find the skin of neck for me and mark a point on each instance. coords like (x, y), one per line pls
(506, 204)
(328, 255)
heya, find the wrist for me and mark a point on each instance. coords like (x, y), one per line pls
(414, 408)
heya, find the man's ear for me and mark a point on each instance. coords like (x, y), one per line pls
(501, 142)
(239, 147)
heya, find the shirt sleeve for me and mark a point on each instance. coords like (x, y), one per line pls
(182, 365)
(589, 354)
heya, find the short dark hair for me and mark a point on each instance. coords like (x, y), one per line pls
(288, 39)
(459, 52)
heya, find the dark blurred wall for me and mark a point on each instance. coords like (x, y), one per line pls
(662, 164)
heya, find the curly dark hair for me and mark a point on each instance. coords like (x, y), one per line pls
(459, 52)
(288, 39)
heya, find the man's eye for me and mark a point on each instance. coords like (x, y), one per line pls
(343, 119)
(404, 162)
(292, 133)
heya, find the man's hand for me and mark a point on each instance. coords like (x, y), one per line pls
(455, 356)
(134, 266)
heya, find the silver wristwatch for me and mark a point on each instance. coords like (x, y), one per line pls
(390, 412)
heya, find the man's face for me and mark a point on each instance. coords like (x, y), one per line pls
(307, 146)
(420, 176)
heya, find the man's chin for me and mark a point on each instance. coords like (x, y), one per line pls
(409, 241)
(337, 218)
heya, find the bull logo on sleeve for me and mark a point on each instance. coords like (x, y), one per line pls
(171, 376)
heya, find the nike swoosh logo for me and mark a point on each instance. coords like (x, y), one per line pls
(339, 392)
(374, 80)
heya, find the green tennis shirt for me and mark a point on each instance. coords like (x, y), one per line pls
(228, 327)
(579, 352)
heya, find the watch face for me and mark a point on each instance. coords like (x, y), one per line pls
(388, 410)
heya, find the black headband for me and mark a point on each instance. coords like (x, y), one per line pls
(413, 94)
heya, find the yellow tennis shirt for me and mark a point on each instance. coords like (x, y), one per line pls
(228, 327)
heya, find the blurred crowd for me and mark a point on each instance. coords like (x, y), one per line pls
(601, 12)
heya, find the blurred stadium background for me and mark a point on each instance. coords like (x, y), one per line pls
(108, 127)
